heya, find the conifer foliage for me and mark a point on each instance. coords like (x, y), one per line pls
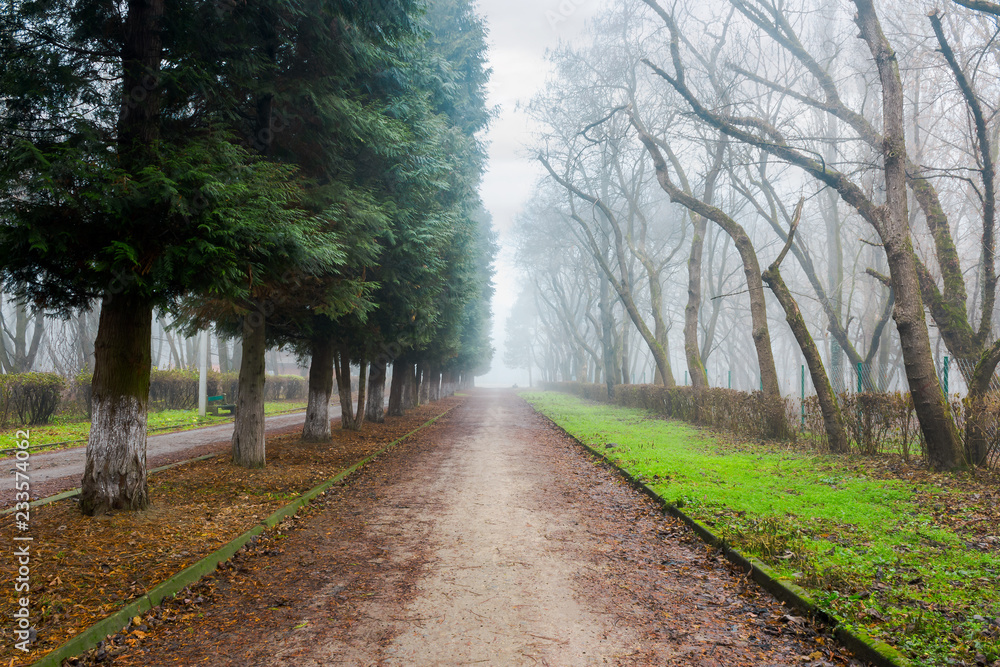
(296, 173)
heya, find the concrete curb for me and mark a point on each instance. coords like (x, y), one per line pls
(89, 638)
(872, 651)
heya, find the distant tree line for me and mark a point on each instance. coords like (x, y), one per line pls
(713, 165)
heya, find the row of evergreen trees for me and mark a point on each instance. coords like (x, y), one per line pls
(292, 172)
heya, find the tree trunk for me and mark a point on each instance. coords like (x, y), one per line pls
(409, 386)
(778, 426)
(424, 372)
(436, 383)
(115, 473)
(224, 364)
(833, 421)
(699, 377)
(342, 365)
(396, 389)
(248, 432)
(317, 425)
(933, 412)
(375, 407)
(359, 416)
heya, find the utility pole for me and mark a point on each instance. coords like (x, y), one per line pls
(202, 372)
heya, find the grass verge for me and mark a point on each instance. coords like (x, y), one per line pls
(70, 431)
(913, 562)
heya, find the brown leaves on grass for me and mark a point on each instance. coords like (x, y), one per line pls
(83, 569)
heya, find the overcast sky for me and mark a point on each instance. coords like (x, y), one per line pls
(520, 33)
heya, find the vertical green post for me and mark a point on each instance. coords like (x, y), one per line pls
(859, 378)
(803, 397)
(685, 378)
(944, 379)
(730, 379)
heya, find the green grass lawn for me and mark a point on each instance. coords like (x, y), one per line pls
(75, 428)
(913, 562)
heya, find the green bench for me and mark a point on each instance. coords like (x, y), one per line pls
(216, 403)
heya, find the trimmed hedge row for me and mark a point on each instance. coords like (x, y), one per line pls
(29, 398)
(178, 389)
(742, 413)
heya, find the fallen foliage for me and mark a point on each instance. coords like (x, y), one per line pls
(83, 569)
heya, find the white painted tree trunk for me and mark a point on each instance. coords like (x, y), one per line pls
(317, 426)
(115, 473)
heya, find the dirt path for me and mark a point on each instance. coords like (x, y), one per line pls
(489, 538)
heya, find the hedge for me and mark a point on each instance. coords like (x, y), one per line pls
(178, 389)
(29, 398)
(743, 413)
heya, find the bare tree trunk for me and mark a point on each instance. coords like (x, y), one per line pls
(933, 412)
(248, 433)
(833, 421)
(375, 408)
(317, 424)
(115, 472)
(778, 426)
(699, 377)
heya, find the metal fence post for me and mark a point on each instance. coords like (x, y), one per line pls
(945, 378)
(803, 398)
(860, 390)
(730, 379)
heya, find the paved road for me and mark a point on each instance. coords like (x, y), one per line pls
(69, 463)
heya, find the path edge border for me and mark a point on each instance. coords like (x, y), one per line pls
(869, 649)
(93, 635)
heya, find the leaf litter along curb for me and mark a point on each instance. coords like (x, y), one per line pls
(907, 556)
(83, 569)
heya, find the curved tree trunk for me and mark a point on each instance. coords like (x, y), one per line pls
(696, 368)
(833, 420)
(929, 402)
(248, 433)
(375, 405)
(115, 472)
(317, 425)
(778, 423)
